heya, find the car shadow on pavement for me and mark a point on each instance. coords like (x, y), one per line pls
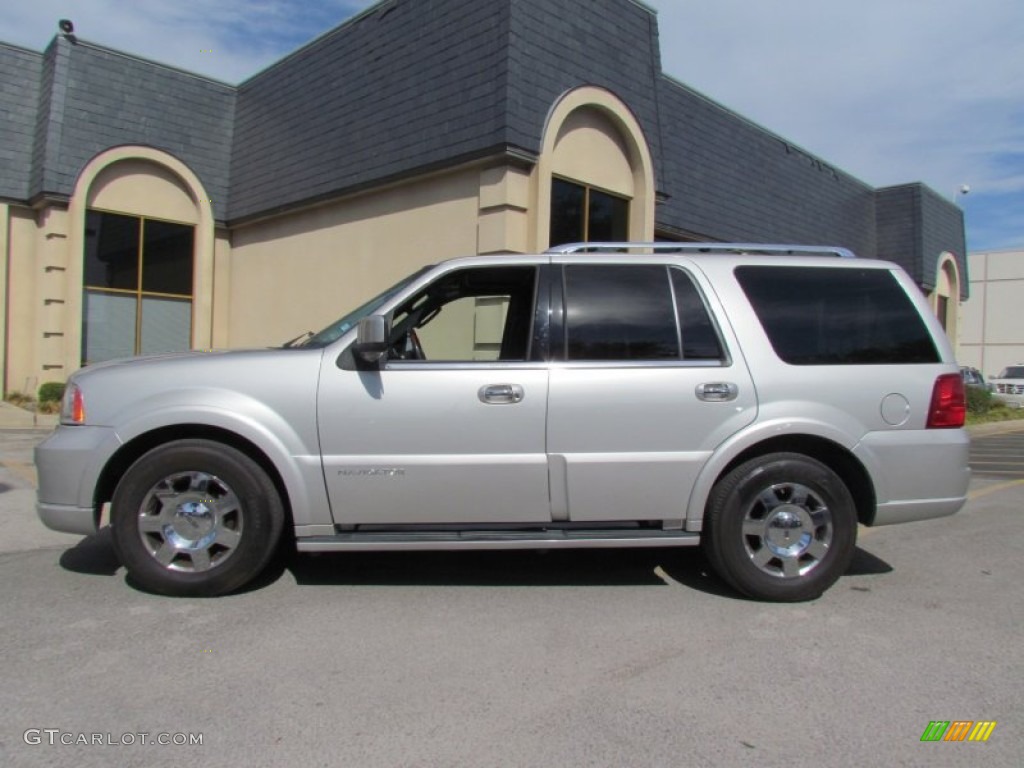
(95, 555)
(866, 564)
(518, 568)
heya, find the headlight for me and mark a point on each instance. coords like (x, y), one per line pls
(72, 407)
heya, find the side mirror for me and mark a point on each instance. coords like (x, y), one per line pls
(372, 338)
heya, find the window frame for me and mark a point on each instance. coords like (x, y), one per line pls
(588, 189)
(537, 333)
(560, 326)
(137, 293)
(750, 279)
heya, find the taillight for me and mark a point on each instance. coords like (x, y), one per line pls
(949, 403)
(72, 410)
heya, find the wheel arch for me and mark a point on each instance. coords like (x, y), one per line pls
(138, 446)
(830, 453)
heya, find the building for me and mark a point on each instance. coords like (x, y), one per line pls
(146, 209)
(991, 336)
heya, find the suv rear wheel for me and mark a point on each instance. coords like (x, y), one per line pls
(781, 527)
(195, 517)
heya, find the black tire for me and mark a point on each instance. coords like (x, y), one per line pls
(195, 518)
(780, 527)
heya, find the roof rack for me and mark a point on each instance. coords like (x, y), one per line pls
(737, 248)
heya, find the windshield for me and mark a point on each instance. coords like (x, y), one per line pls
(1013, 372)
(344, 324)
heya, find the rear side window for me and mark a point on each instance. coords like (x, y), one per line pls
(636, 312)
(698, 335)
(823, 316)
(619, 313)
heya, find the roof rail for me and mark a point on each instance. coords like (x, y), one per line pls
(737, 248)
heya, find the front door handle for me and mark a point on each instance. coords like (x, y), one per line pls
(501, 394)
(717, 391)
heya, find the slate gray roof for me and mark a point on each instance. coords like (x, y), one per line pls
(915, 225)
(730, 179)
(20, 73)
(557, 45)
(92, 99)
(408, 85)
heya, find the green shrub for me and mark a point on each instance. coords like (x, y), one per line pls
(51, 392)
(978, 400)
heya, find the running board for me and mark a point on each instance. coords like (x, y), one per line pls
(575, 538)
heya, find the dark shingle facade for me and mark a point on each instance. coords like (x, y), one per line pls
(20, 76)
(411, 86)
(914, 224)
(89, 99)
(404, 87)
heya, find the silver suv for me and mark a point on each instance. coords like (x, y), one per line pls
(758, 400)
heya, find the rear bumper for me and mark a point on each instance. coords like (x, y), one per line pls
(918, 474)
(68, 463)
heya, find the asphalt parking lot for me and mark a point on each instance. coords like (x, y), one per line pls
(619, 658)
(1000, 454)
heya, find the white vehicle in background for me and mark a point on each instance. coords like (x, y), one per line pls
(1008, 386)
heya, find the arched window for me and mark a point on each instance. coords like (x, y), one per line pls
(142, 229)
(594, 176)
(946, 297)
(137, 286)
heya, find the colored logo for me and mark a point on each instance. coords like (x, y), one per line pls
(958, 730)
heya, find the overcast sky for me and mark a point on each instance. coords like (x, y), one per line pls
(890, 91)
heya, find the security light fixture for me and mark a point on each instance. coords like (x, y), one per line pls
(68, 29)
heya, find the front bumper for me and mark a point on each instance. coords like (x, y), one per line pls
(69, 463)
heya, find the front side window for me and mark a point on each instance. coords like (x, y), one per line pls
(469, 315)
(137, 294)
(827, 316)
(636, 313)
(581, 213)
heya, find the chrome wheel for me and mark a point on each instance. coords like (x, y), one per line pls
(787, 530)
(781, 526)
(190, 522)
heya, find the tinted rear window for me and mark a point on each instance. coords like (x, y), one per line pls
(823, 316)
(620, 312)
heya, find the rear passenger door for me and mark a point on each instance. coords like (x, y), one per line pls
(645, 383)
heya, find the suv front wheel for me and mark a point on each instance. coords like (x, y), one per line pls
(780, 527)
(195, 517)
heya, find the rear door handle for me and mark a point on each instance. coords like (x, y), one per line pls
(501, 394)
(717, 391)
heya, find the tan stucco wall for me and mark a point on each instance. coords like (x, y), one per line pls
(588, 148)
(23, 372)
(5, 251)
(991, 335)
(301, 271)
(142, 188)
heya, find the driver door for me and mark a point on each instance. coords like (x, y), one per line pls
(449, 428)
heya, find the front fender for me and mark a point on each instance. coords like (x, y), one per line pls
(291, 448)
